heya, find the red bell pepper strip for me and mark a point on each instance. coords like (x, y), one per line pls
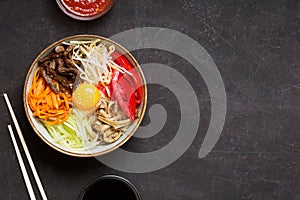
(124, 94)
(135, 79)
(102, 89)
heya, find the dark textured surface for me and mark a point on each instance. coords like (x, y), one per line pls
(254, 43)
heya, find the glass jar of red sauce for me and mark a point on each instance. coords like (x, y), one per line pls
(85, 9)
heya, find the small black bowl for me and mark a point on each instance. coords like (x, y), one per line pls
(110, 187)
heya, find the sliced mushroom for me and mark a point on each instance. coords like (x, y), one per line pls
(49, 81)
(68, 50)
(69, 63)
(104, 114)
(104, 128)
(115, 124)
(59, 49)
(110, 136)
(49, 57)
(52, 64)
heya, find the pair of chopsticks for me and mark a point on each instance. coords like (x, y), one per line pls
(19, 157)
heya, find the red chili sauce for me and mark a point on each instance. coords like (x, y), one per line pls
(85, 7)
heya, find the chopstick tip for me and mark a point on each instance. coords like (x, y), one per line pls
(10, 128)
(6, 97)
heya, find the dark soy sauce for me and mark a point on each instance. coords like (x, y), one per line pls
(110, 188)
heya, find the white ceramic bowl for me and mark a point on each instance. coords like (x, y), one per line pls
(43, 133)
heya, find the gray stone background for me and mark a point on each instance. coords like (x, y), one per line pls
(255, 45)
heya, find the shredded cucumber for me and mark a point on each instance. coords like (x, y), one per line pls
(72, 134)
(66, 134)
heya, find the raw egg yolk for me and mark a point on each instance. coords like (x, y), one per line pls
(86, 96)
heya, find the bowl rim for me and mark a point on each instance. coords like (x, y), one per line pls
(57, 146)
(110, 176)
(84, 18)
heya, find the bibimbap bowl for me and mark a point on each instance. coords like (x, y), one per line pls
(85, 95)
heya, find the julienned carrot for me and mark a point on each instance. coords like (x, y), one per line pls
(47, 105)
